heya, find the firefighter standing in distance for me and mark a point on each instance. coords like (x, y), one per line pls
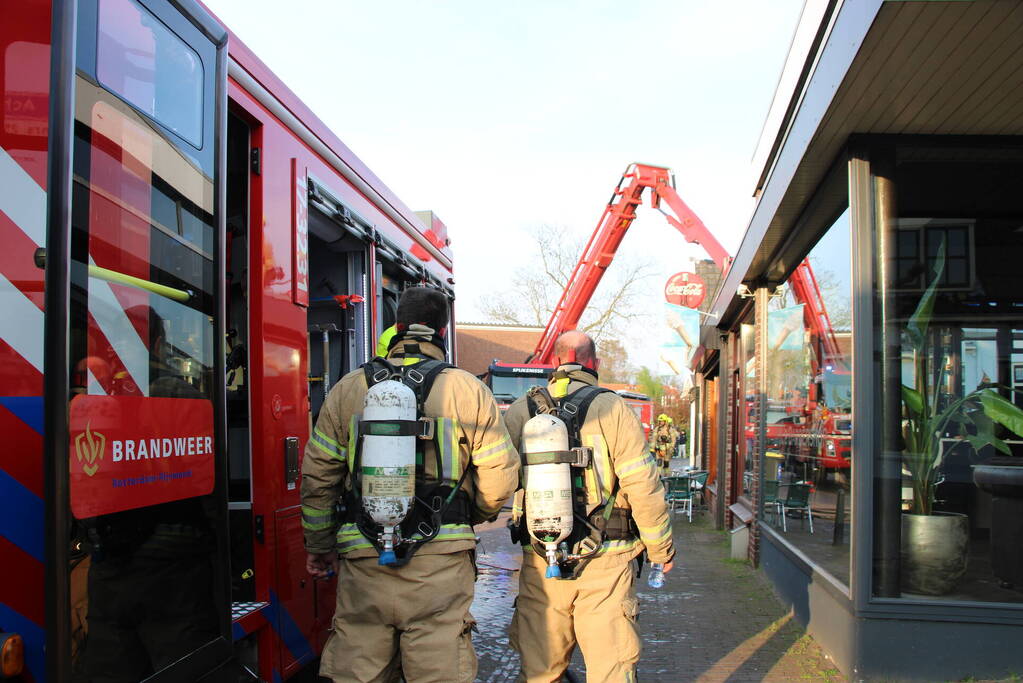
(665, 437)
(618, 492)
(409, 616)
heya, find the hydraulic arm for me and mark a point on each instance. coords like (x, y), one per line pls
(618, 215)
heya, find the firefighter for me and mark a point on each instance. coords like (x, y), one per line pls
(622, 500)
(410, 617)
(663, 443)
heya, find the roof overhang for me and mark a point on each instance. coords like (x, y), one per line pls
(869, 67)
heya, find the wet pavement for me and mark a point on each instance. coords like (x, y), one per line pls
(714, 620)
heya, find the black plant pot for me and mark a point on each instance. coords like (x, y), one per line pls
(1002, 477)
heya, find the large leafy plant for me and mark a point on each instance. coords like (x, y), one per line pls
(930, 414)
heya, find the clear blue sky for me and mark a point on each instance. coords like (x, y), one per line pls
(501, 116)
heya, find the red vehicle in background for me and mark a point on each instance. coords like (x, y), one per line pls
(508, 381)
(191, 259)
(815, 430)
(511, 380)
(643, 406)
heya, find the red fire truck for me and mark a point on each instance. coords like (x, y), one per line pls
(191, 259)
(815, 430)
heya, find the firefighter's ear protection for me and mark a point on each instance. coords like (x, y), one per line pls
(570, 357)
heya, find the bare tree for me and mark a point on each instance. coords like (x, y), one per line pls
(536, 288)
(614, 362)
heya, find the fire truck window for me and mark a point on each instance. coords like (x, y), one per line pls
(140, 59)
(808, 362)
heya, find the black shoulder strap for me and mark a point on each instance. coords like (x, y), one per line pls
(573, 408)
(420, 378)
(377, 370)
(539, 400)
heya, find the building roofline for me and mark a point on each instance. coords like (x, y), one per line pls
(842, 32)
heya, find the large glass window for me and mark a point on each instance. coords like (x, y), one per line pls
(808, 363)
(950, 488)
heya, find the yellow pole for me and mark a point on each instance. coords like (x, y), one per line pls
(131, 281)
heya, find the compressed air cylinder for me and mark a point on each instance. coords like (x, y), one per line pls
(388, 463)
(548, 487)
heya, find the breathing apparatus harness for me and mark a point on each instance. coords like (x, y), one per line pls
(589, 530)
(438, 501)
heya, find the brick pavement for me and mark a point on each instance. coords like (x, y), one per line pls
(715, 620)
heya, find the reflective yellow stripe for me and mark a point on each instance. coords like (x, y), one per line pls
(327, 445)
(655, 534)
(634, 465)
(350, 538)
(606, 546)
(316, 519)
(356, 544)
(494, 450)
(348, 529)
(452, 532)
(447, 442)
(326, 438)
(609, 546)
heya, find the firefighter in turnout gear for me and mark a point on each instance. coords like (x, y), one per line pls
(404, 610)
(663, 442)
(619, 512)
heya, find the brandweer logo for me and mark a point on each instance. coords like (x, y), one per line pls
(89, 447)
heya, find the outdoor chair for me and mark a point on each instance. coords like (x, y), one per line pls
(797, 497)
(770, 496)
(699, 485)
(679, 491)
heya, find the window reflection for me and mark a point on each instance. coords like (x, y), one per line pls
(749, 404)
(952, 311)
(808, 363)
(141, 60)
(141, 414)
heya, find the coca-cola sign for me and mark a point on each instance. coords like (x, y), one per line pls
(685, 289)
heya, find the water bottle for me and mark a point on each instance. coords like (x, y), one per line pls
(655, 579)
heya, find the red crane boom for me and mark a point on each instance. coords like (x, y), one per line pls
(808, 292)
(600, 250)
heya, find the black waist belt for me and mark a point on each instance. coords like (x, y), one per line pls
(459, 511)
(618, 527)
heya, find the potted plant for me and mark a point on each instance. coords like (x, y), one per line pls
(935, 545)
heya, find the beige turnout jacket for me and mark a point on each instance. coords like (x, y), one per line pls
(471, 435)
(614, 433)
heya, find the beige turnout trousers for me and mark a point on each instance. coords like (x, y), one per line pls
(598, 611)
(413, 620)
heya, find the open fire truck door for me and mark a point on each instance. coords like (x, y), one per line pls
(133, 347)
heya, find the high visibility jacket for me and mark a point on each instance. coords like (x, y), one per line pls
(665, 437)
(614, 433)
(471, 434)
